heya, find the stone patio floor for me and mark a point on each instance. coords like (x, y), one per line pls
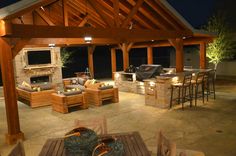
(209, 127)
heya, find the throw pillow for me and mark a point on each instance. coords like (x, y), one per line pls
(26, 88)
(25, 84)
(74, 81)
(81, 81)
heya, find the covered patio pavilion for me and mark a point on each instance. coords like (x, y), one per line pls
(123, 24)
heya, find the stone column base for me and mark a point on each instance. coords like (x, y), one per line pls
(12, 138)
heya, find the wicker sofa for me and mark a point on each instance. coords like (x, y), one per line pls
(35, 98)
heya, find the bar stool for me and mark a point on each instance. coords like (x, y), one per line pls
(198, 81)
(182, 86)
(210, 83)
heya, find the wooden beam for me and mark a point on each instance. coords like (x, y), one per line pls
(178, 45)
(14, 133)
(44, 17)
(134, 35)
(113, 62)
(19, 46)
(65, 12)
(116, 12)
(149, 55)
(90, 59)
(141, 21)
(99, 10)
(132, 13)
(70, 41)
(25, 10)
(84, 21)
(203, 55)
(129, 46)
(5, 27)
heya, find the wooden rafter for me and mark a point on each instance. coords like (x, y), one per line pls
(99, 10)
(148, 15)
(65, 12)
(116, 12)
(79, 7)
(132, 13)
(44, 16)
(29, 9)
(83, 22)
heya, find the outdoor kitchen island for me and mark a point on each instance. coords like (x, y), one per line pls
(158, 91)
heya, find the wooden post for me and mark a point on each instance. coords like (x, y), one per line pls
(179, 55)
(14, 132)
(149, 55)
(202, 55)
(113, 62)
(125, 52)
(90, 60)
(178, 44)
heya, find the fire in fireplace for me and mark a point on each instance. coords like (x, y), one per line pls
(40, 79)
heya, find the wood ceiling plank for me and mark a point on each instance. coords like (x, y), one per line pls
(45, 17)
(80, 7)
(99, 10)
(149, 16)
(124, 8)
(132, 13)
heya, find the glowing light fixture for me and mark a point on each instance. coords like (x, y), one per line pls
(51, 45)
(88, 39)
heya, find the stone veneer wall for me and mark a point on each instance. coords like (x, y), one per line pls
(23, 71)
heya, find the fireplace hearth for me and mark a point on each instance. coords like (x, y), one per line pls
(40, 79)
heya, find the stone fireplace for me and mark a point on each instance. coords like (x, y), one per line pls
(48, 69)
(40, 79)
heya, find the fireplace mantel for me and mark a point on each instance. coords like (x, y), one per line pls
(39, 67)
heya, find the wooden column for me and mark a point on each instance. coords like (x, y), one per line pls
(90, 60)
(125, 47)
(202, 55)
(178, 45)
(113, 62)
(125, 56)
(149, 55)
(14, 132)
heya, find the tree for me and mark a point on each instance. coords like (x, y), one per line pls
(223, 45)
(66, 56)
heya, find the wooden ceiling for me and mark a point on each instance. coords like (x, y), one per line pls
(107, 21)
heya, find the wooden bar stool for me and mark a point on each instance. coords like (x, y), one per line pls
(182, 86)
(198, 81)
